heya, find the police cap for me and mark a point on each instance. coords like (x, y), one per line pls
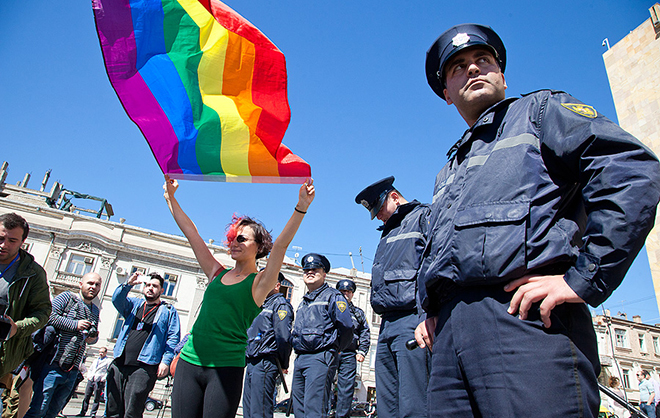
(313, 260)
(374, 195)
(454, 40)
(346, 284)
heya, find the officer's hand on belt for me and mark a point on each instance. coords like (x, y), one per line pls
(551, 290)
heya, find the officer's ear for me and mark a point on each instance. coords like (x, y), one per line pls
(447, 98)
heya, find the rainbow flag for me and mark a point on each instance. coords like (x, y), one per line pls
(206, 88)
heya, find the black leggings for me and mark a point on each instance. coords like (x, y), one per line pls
(206, 392)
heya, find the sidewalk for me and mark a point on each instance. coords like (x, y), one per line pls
(73, 408)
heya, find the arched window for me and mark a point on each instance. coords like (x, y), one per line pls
(286, 288)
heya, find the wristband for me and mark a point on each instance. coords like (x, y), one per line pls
(298, 210)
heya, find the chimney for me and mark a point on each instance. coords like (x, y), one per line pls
(3, 172)
(45, 180)
(637, 319)
(26, 179)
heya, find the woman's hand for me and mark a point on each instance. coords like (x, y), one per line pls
(170, 187)
(306, 195)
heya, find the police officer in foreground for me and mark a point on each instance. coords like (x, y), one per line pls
(267, 353)
(322, 329)
(401, 375)
(356, 351)
(543, 206)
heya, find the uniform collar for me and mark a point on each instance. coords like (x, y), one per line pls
(313, 294)
(272, 297)
(486, 119)
(401, 212)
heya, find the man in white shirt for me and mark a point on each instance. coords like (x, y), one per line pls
(95, 382)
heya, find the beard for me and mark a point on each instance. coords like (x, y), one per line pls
(151, 299)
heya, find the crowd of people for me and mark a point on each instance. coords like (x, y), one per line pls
(540, 210)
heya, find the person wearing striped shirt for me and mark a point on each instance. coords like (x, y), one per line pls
(75, 318)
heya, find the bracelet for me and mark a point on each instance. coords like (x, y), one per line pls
(298, 210)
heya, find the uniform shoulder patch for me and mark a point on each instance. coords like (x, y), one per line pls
(282, 313)
(581, 109)
(341, 306)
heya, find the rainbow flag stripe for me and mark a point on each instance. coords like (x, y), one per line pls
(206, 88)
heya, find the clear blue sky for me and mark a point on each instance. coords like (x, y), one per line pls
(361, 109)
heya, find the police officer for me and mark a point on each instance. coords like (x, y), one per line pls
(323, 327)
(543, 206)
(356, 351)
(401, 375)
(267, 354)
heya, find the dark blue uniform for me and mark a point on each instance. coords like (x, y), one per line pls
(323, 327)
(347, 369)
(539, 185)
(268, 344)
(401, 375)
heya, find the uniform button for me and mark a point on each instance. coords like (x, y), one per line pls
(448, 205)
(489, 215)
(591, 267)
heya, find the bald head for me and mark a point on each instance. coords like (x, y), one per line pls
(90, 286)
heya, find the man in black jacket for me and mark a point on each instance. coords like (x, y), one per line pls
(323, 328)
(268, 351)
(401, 374)
(543, 206)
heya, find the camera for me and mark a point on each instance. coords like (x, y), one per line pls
(92, 332)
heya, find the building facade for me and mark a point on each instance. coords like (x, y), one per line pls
(625, 348)
(69, 244)
(631, 65)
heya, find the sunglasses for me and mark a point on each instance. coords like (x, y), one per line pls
(242, 238)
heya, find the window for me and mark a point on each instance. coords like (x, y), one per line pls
(286, 288)
(79, 264)
(642, 343)
(621, 338)
(375, 318)
(141, 270)
(626, 378)
(26, 246)
(118, 325)
(169, 283)
(656, 345)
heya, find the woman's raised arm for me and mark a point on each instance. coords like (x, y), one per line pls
(210, 266)
(266, 279)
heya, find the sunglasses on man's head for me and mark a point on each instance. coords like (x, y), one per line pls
(241, 239)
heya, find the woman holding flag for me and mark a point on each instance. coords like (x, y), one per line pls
(209, 374)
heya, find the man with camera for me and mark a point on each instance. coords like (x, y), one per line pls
(144, 348)
(75, 318)
(24, 297)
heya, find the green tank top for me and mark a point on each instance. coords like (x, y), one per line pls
(219, 336)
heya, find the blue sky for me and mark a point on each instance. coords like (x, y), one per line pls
(361, 109)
